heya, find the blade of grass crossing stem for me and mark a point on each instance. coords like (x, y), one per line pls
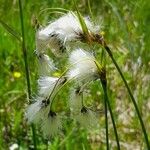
(131, 96)
(26, 67)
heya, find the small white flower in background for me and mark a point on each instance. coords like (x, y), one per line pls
(82, 66)
(45, 64)
(35, 112)
(14, 146)
(75, 101)
(65, 29)
(52, 125)
(48, 84)
(87, 118)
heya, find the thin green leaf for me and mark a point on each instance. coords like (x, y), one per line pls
(52, 10)
(11, 31)
(89, 8)
(81, 20)
(34, 137)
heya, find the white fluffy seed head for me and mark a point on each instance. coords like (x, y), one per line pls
(36, 111)
(75, 102)
(46, 65)
(87, 119)
(46, 38)
(65, 29)
(41, 42)
(82, 66)
(51, 126)
(48, 84)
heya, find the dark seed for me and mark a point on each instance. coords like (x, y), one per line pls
(64, 79)
(52, 35)
(44, 101)
(62, 48)
(83, 110)
(51, 114)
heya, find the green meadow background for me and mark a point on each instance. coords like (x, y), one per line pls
(126, 28)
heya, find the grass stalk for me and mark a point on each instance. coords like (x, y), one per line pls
(89, 9)
(106, 120)
(103, 61)
(107, 103)
(24, 51)
(131, 95)
(26, 67)
(111, 114)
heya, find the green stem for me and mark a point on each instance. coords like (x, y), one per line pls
(26, 66)
(24, 51)
(131, 95)
(89, 9)
(104, 85)
(106, 119)
(34, 136)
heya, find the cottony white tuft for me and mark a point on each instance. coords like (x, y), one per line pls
(52, 125)
(65, 29)
(87, 118)
(83, 67)
(47, 39)
(47, 84)
(75, 102)
(36, 111)
(45, 64)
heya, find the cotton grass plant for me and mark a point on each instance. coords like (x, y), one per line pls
(83, 68)
(79, 75)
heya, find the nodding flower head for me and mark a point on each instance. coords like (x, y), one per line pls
(87, 118)
(36, 111)
(83, 66)
(65, 29)
(47, 85)
(52, 125)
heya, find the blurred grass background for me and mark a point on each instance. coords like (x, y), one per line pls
(126, 25)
